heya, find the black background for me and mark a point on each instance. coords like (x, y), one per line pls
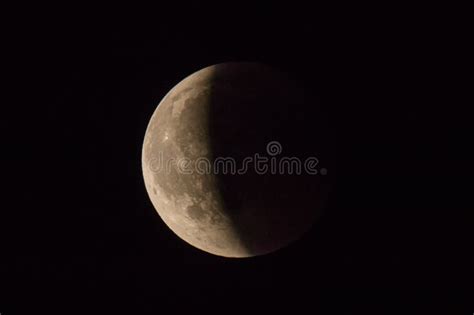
(80, 236)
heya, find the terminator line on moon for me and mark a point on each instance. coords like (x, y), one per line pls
(232, 110)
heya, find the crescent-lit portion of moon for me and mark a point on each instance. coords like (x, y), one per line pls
(187, 203)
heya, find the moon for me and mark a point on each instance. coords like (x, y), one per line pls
(237, 113)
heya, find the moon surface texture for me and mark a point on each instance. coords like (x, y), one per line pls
(233, 112)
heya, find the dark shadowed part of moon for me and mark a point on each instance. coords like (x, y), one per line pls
(235, 110)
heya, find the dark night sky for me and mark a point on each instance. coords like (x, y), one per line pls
(80, 236)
